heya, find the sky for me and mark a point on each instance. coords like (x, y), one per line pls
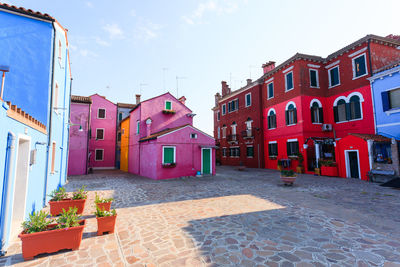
(125, 47)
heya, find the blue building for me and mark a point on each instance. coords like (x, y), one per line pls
(385, 86)
(34, 114)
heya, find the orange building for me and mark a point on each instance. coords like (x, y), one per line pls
(124, 144)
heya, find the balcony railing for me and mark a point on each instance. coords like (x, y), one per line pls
(249, 133)
(232, 138)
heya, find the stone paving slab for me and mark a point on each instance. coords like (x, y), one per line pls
(235, 219)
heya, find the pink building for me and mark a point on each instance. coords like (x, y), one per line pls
(163, 143)
(79, 135)
(102, 142)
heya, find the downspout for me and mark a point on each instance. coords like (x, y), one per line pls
(6, 192)
(69, 118)
(50, 116)
(370, 84)
(88, 137)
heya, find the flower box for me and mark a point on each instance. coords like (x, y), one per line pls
(106, 224)
(329, 170)
(169, 165)
(51, 241)
(56, 207)
(104, 206)
(168, 111)
(288, 180)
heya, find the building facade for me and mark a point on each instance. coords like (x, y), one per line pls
(123, 110)
(34, 113)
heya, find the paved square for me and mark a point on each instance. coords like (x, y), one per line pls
(236, 218)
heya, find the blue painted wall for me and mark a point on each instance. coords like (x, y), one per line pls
(387, 122)
(26, 47)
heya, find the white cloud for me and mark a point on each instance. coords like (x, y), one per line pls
(220, 7)
(133, 13)
(114, 31)
(73, 47)
(146, 30)
(87, 53)
(89, 4)
(101, 42)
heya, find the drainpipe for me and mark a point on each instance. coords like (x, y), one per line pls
(5, 204)
(69, 119)
(370, 84)
(88, 137)
(50, 116)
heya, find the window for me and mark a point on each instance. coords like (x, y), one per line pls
(223, 109)
(53, 157)
(355, 108)
(248, 123)
(234, 152)
(291, 114)
(359, 66)
(99, 134)
(55, 98)
(317, 115)
(224, 152)
(120, 116)
(218, 116)
(248, 100)
(193, 135)
(391, 99)
(273, 149)
(233, 105)
(101, 113)
(119, 137)
(169, 154)
(314, 78)
(233, 132)
(224, 131)
(99, 154)
(218, 133)
(250, 151)
(168, 105)
(340, 111)
(137, 127)
(334, 76)
(271, 119)
(270, 90)
(289, 81)
(292, 148)
(382, 152)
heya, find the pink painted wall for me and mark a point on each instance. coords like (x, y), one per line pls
(78, 141)
(109, 126)
(133, 158)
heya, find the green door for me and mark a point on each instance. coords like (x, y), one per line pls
(206, 159)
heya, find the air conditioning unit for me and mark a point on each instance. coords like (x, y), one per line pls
(326, 127)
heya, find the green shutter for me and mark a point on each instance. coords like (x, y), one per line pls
(168, 155)
(168, 105)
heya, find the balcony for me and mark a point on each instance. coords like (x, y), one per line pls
(248, 134)
(232, 138)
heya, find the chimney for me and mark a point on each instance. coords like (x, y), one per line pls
(182, 100)
(217, 98)
(267, 67)
(248, 81)
(137, 99)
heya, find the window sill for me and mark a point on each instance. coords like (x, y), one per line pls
(287, 90)
(315, 87)
(268, 98)
(317, 123)
(250, 157)
(291, 124)
(332, 86)
(355, 78)
(271, 128)
(169, 165)
(339, 122)
(392, 111)
(273, 157)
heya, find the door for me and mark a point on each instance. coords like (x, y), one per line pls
(353, 164)
(206, 161)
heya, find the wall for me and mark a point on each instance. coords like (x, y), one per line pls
(125, 145)
(134, 157)
(78, 146)
(31, 60)
(382, 55)
(109, 126)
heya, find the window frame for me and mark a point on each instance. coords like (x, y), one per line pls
(273, 93)
(224, 150)
(223, 131)
(247, 150)
(245, 100)
(104, 132)
(354, 66)
(218, 116)
(392, 109)
(98, 113)
(223, 107)
(298, 148)
(174, 159)
(269, 150)
(102, 154)
(230, 110)
(287, 111)
(218, 132)
(193, 135)
(268, 116)
(236, 148)
(316, 78)
(286, 85)
(320, 119)
(330, 78)
(165, 105)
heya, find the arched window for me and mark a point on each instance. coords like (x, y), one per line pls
(317, 115)
(355, 107)
(271, 119)
(340, 111)
(248, 123)
(233, 133)
(291, 114)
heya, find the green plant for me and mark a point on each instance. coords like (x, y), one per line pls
(58, 194)
(80, 193)
(280, 163)
(328, 163)
(319, 164)
(68, 218)
(104, 213)
(288, 173)
(97, 199)
(300, 159)
(37, 222)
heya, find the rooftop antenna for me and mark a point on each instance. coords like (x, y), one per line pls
(178, 78)
(164, 70)
(140, 87)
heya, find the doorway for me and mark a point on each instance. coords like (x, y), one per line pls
(206, 160)
(352, 164)
(21, 184)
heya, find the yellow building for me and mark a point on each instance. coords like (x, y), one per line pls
(124, 144)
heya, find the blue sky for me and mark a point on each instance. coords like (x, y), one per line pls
(119, 48)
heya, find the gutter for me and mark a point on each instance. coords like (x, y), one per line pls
(6, 192)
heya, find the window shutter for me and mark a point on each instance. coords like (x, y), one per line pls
(348, 111)
(335, 113)
(312, 115)
(385, 100)
(357, 107)
(295, 115)
(288, 148)
(168, 155)
(269, 122)
(287, 117)
(274, 121)
(321, 115)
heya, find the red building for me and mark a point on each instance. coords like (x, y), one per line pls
(238, 125)
(310, 102)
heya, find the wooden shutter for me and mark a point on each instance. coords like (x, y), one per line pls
(312, 115)
(295, 115)
(385, 101)
(335, 113)
(321, 115)
(348, 111)
(287, 117)
(168, 155)
(288, 148)
(357, 109)
(269, 122)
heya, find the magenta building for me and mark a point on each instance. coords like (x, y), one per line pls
(163, 142)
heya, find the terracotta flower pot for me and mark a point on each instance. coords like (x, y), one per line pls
(288, 180)
(51, 241)
(106, 224)
(104, 206)
(300, 169)
(56, 207)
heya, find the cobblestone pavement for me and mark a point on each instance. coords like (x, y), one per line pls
(236, 218)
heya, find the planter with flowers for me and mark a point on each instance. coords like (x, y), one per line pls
(105, 221)
(168, 111)
(59, 200)
(329, 168)
(288, 177)
(42, 235)
(300, 166)
(169, 165)
(103, 203)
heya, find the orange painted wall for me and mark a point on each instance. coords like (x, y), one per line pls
(124, 144)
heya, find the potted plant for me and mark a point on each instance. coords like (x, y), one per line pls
(241, 166)
(105, 221)
(103, 203)
(300, 167)
(169, 165)
(280, 165)
(329, 168)
(288, 177)
(59, 200)
(317, 171)
(168, 111)
(42, 235)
